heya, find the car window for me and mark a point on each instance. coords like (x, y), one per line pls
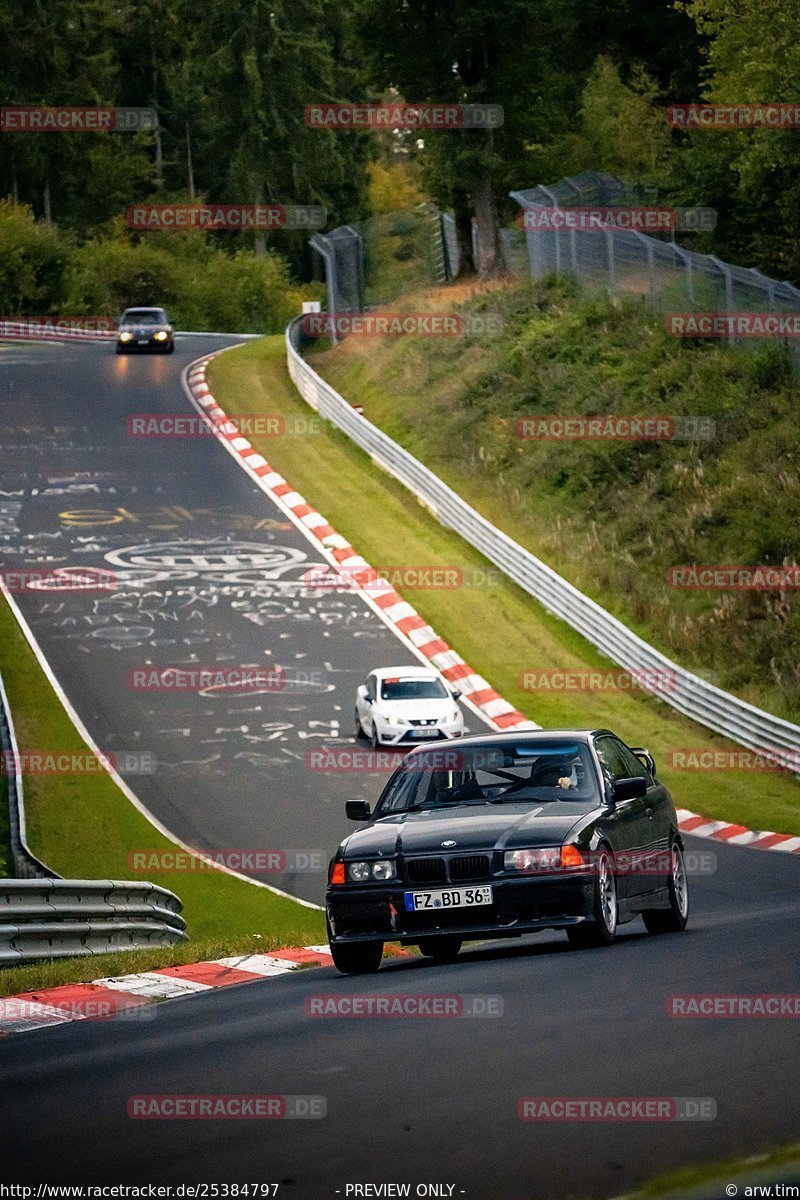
(613, 764)
(492, 773)
(399, 688)
(633, 765)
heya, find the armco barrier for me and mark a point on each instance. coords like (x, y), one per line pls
(43, 916)
(26, 864)
(64, 918)
(689, 694)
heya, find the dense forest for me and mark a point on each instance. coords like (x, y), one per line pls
(583, 85)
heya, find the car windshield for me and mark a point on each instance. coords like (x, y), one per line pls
(412, 689)
(144, 316)
(534, 772)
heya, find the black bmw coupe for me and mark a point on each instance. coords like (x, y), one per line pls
(504, 835)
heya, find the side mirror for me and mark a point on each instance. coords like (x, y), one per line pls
(456, 695)
(645, 757)
(358, 810)
(629, 788)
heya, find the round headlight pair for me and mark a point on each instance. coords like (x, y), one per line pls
(360, 872)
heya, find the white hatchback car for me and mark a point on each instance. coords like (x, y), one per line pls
(405, 706)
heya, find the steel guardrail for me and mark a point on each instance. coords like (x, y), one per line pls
(686, 692)
(26, 864)
(65, 918)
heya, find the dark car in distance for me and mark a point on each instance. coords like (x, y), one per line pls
(145, 329)
(504, 835)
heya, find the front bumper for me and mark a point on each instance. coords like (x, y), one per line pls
(144, 343)
(409, 735)
(368, 912)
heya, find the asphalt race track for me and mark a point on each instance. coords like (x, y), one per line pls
(435, 1099)
(409, 1100)
(208, 572)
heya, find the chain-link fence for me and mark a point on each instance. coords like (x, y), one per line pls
(666, 275)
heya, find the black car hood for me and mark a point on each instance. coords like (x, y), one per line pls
(478, 827)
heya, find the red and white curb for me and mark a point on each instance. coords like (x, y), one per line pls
(106, 997)
(736, 835)
(405, 621)
(396, 612)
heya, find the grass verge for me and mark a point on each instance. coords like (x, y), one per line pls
(613, 516)
(498, 628)
(781, 1164)
(83, 827)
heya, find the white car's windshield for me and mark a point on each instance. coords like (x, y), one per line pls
(413, 689)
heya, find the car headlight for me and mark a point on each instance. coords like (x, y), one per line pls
(125, 336)
(394, 721)
(361, 872)
(161, 336)
(384, 869)
(548, 859)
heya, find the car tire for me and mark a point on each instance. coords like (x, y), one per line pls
(359, 728)
(673, 919)
(601, 930)
(170, 349)
(356, 958)
(440, 949)
(375, 741)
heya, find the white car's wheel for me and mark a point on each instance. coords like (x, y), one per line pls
(358, 728)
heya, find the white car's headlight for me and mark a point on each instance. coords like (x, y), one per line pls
(394, 720)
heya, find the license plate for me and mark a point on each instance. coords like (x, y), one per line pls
(452, 898)
(424, 733)
(143, 341)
